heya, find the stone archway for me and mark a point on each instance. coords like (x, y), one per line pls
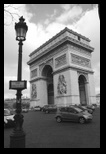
(47, 72)
(82, 90)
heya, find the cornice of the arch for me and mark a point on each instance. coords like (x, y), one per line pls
(49, 55)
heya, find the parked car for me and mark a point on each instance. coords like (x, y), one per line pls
(49, 108)
(8, 118)
(95, 105)
(84, 108)
(37, 108)
(72, 114)
(92, 107)
(24, 110)
(44, 107)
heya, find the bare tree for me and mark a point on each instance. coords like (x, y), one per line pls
(10, 13)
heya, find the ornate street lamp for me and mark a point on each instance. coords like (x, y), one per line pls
(17, 138)
(21, 29)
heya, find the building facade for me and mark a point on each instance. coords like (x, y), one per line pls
(61, 71)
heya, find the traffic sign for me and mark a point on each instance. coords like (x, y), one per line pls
(18, 85)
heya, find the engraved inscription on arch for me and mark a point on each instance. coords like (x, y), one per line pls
(60, 61)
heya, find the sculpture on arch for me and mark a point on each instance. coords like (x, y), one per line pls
(62, 86)
(34, 91)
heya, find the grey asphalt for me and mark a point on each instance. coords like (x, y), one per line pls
(42, 131)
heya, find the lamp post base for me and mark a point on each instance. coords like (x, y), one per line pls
(17, 139)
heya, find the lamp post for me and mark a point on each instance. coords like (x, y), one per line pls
(17, 138)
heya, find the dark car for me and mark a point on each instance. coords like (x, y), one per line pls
(92, 107)
(8, 118)
(44, 107)
(49, 108)
(84, 108)
(72, 114)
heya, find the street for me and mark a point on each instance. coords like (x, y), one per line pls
(42, 131)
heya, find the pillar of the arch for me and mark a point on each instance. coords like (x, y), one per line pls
(92, 96)
(41, 98)
(71, 95)
(62, 95)
(87, 92)
(74, 87)
(42, 92)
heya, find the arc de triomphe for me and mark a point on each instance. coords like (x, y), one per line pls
(61, 71)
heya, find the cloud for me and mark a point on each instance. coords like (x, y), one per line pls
(14, 11)
(69, 14)
(88, 25)
(65, 7)
(50, 17)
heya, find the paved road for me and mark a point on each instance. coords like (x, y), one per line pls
(42, 131)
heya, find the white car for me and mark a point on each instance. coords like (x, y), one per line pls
(37, 108)
(8, 118)
(24, 110)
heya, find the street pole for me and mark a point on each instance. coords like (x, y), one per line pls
(17, 138)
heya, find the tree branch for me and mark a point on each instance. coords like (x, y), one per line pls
(10, 13)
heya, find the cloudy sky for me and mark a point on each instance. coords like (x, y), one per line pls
(44, 21)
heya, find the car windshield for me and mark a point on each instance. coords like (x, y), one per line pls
(6, 113)
(84, 107)
(78, 109)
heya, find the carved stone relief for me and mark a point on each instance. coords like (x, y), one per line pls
(80, 60)
(34, 91)
(62, 86)
(34, 73)
(60, 61)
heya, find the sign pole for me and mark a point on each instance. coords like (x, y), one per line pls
(17, 138)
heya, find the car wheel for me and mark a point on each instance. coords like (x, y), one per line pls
(58, 119)
(91, 112)
(81, 120)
